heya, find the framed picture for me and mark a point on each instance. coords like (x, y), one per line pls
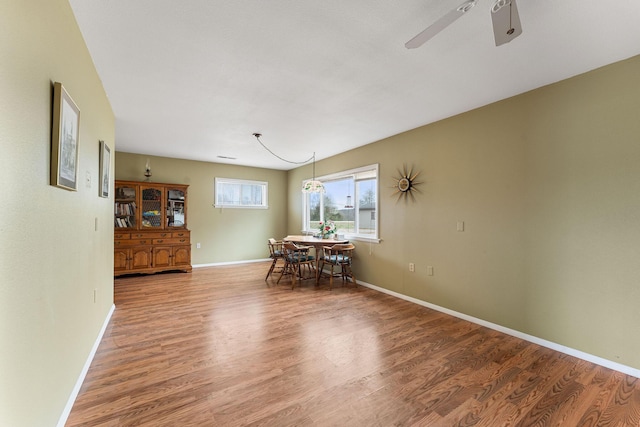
(64, 140)
(105, 163)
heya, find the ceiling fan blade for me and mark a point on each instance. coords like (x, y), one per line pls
(506, 21)
(440, 25)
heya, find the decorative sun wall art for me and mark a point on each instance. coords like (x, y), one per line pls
(406, 184)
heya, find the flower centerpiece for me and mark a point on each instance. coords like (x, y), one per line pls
(327, 229)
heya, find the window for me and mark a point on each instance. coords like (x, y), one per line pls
(350, 200)
(239, 193)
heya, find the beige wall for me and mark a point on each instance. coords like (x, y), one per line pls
(51, 256)
(225, 235)
(548, 185)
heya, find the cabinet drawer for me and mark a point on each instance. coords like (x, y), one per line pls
(141, 241)
(131, 242)
(153, 235)
(178, 241)
(157, 235)
(183, 233)
(120, 236)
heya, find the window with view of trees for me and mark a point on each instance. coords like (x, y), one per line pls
(350, 200)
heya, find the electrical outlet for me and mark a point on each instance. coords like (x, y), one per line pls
(412, 267)
(197, 245)
(460, 226)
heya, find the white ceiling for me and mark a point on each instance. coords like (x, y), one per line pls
(193, 79)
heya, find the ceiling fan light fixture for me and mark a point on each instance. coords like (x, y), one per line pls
(506, 21)
(499, 5)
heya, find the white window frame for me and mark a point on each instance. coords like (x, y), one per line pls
(344, 174)
(218, 193)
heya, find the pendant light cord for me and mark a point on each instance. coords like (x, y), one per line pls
(510, 14)
(257, 135)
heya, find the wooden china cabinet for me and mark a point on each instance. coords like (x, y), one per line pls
(150, 228)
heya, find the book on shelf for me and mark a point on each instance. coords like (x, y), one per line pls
(125, 208)
(124, 222)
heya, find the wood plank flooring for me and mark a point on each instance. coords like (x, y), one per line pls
(220, 347)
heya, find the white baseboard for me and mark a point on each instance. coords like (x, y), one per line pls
(74, 393)
(553, 346)
(217, 264)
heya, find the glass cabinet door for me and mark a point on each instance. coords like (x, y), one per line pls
(125, 207)
(151, 207)
(176, 215)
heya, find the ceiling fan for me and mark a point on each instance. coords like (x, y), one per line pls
(504, 14)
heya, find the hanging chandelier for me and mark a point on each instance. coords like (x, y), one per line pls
(312, 186)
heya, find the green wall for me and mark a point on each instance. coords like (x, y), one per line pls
(548, 186)
(225, 235)
(52, 258)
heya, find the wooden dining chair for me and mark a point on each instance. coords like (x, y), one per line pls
(295, 258)
(276, 253)
(339, 255)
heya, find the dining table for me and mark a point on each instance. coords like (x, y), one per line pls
(317, 242)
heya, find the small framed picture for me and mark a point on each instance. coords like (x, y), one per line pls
(105, 164)
(64, 143)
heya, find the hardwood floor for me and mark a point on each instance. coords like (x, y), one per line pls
(219, 347)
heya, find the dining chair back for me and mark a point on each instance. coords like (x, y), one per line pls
(276, 253)
(339, 255)
(295, 258)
